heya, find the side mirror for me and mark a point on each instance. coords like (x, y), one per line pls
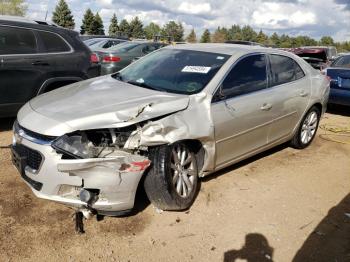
(219, 95)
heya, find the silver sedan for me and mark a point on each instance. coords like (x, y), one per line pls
(178, 114)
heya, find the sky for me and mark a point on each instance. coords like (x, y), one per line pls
(314, 18)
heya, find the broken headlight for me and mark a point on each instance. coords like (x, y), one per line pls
(75, 145)
(92, 143)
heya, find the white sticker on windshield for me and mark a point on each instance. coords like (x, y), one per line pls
(220, 58)
(196, 69)
(140, 80)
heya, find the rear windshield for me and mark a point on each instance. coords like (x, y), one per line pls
(172, 70)
(124, 47)
(343, 62)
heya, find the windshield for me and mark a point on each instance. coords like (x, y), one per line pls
(343, 61)
(175, 71)
(123, 47)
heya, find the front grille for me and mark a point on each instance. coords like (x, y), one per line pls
(33, 157)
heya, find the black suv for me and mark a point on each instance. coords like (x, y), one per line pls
(37, 57)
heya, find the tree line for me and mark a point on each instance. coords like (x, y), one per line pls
(92, 24)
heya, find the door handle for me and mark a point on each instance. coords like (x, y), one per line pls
(303, 93)
(266, 107)
(40, 63)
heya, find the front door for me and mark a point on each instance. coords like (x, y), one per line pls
(241, 110)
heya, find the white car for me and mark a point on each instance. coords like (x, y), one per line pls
(178, 114)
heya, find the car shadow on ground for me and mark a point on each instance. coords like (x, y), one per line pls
(330, 240)
(338, 110)
(256, 249)
(245, 162)
(6, 123)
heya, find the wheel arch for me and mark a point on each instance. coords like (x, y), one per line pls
(56, 82)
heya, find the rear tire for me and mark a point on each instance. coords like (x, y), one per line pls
(172, 182)
(307, 129)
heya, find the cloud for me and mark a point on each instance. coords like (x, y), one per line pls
(308, 17)
(190, 8)
(345, 3)
(282, 16)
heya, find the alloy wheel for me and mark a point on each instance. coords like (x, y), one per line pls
(184, 170)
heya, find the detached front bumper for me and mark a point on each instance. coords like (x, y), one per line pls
(50, 177)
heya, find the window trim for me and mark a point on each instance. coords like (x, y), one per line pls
(270, 70)
(38, 42)
(213, 101)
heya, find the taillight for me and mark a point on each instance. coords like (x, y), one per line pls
(111, 59)
(94, 58)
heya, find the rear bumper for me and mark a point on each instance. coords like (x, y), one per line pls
(339, 97)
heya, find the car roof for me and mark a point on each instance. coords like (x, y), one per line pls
(224, 48)
(25, 20)
(33, 24)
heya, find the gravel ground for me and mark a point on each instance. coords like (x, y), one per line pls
(283, 205)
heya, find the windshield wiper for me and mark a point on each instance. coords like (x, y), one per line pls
(143, 85)
(117, 76)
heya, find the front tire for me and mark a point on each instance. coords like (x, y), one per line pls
(172, 182)
(307, 129)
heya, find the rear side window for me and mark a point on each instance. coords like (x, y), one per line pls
(17, 41)
(53, 43)
(284, 70)
(343, 61)
(248, 75)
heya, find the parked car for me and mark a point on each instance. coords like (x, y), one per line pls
(178, 114)
(241, 42)
(37, 57)
(319, 57)
(87, 37)
(116, 58)
(102, 43)
(339, 73)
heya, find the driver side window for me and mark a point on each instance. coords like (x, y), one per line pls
(247, 76)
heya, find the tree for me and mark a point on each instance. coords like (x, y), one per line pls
(113, 27)
(88, 20)
(275, 40)
(327, 40)
(248, 33)
(285, 41)
(173, 30)
(205, 36)
(63, 15)
(220, 35)
(152, 30)
(136, 28)
(262, 38)
(124, 28)
(192, 38)
(97, 26)
(13, 7)
(235, 33)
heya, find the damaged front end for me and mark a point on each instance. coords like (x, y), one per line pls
(110, 173)
(90, 170)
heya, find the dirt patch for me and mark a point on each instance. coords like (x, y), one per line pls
(281, 205)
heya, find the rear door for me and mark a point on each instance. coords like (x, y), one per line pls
(19, 74)
(290, 96)
(58, 57)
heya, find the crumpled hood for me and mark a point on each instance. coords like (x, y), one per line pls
(102, 102)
